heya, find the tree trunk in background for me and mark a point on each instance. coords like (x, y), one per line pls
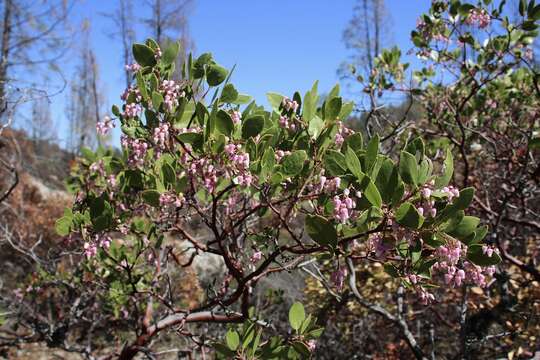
(368, 37)
(4, 51)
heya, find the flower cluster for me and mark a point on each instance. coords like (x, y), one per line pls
(133, 67)
(280, 154)
(132, 90)
(286, 123)
(101, 241)
(255, 257)
(104, 126)
(343, 206)
(289, 104)
(478, 17)
(170, 201)
(424, 296)
(98, 167)
(240, 162)
(342, 133)
(161, 135)
(428, 207)
(171, 92)
(202, 169)
(450, 191)
(449, 256)
(132, 110)
(136, 148)
(330, 186)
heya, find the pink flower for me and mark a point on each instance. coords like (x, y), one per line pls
(133, 67)
(257, 255)
(161, 135)
(104, 126)
(280, 154)
(90, 250)
(426, 192)
(478, 17)
(342, 133)
(425, 297)
(343, 206)
(137, 150)
(236, 117)
(132, 110)
(451, 192)
(171, 92)
(289, 104)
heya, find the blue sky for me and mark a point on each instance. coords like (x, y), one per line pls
(277, 45)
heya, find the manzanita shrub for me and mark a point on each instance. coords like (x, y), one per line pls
(266, 190)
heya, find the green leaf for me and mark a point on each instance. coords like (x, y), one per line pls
(200, 63)
(115, 110)
(529, 25)
(141, 85)
(88, 154)
(215, 74)
(101, 214)
(233, 339)
(309, 108)
(465, 198)
(424, 170)
(63, 225)
(248, 336)
(144, 55)
(479, 234)
(267, 163)
(151, 197)
(296, 315)
(168, 175)
(335, 163)
(305, 324)
(229, 94)
(346, 110)
(252, 126)
(465, 228)
(157, 100)
(522, 7)
(334, 92)
(407, 215)
(355, 141)
(170, 54)
(372, 152)
(332, 108)
(322, 231)
(224, 123)
(293, 164)
(408, 168)
(315, 126)
(477, 256)
(416, 147)
(242, 99)
(448, 171)
(275, 100)
(354, 164)
(388, 181)
(371, 192)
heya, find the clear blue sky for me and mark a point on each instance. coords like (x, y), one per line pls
(277, 45)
